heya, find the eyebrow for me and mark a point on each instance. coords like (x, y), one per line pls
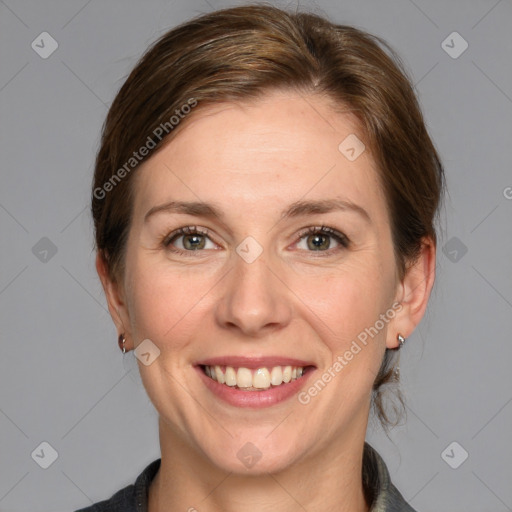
(296, 209)
(324, 206)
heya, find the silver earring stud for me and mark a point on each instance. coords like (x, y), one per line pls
(121, 341)
(401, 340)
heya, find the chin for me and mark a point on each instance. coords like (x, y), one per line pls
(254, 454)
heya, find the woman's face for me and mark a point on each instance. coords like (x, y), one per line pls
(286, 260)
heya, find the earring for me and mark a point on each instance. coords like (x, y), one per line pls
(121, 341)
(396, 372)
(401, 340)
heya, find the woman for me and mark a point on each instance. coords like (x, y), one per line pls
(264, 202)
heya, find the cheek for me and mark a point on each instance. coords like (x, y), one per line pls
(347, 301)
(344, 310)
(164, 304)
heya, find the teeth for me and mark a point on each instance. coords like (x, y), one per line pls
(262, 378)
(276, 376)
(219, 375)
(244, 378)
(230, 376)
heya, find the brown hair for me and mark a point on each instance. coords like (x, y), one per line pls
(241, 53)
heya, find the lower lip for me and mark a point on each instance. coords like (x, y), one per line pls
(254, 399)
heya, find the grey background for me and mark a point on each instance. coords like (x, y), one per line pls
(63, 379)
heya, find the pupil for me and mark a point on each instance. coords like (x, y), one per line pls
(193, 242)
(318, 242)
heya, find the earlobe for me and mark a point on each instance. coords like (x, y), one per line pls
(113, 294)
(414, 293)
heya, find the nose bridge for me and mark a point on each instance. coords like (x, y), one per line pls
(254, 299)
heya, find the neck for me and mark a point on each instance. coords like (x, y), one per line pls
(188, 481)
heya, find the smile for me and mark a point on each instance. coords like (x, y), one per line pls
(258, 379)
(254, 380)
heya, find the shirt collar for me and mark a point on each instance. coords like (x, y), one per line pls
(381, 493)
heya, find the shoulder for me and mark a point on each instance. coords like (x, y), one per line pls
(385, 497)
(123, 500)
(132, 498)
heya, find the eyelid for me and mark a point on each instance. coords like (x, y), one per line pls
(340, 237)
(187, 230)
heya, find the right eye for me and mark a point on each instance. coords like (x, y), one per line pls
(188, 239)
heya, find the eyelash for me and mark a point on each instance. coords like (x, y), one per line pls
(313, 230)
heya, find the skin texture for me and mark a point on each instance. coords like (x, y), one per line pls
(253, 161)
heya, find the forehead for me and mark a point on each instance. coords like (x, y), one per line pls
(274, 150)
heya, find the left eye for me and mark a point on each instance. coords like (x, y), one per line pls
(321, 239)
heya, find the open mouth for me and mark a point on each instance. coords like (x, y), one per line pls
(259, 379)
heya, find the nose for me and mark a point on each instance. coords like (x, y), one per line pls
(255, 301)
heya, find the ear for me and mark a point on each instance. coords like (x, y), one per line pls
(114, 293)
(414, 292)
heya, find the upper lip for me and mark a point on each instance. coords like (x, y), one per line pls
(253, 363)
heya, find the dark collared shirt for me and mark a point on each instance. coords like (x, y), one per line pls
(385, 496)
